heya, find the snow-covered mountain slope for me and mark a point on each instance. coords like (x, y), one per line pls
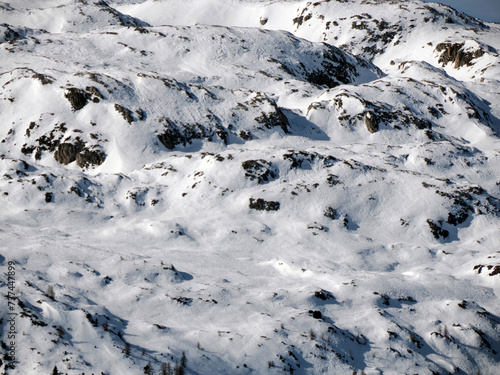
(399, 30)
(264, 186)
(63, 16)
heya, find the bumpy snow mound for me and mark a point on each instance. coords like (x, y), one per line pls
(63, 16)
(252, 199)
(400, 107)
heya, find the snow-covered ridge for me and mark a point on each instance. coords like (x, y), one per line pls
(403, 30)
(257, 186)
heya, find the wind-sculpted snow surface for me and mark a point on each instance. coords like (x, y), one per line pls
(184, 185)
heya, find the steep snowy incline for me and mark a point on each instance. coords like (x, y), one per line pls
(62, 16)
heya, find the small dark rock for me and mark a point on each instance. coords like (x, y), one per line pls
(125, 112)
(371, 122)
(437, 230)
(141, 114)
(246, 136)
(333, 180)
(496, 271)
(44, 79)
(323, 295)
(297, 158)
(88, 157)
(260, 204)
(66, 153)
(94, 91)
(458, 218)
(260, 170)
(77, 98)
(270, 120)
(454, 53)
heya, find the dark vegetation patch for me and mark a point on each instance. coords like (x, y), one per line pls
(32, 313)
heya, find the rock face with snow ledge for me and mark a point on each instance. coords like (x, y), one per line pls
(185, 176)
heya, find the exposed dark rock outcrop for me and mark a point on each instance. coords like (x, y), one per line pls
(66, 152)
(260, 170)
(454, 53)
(370, 122)
(437, 229)
(175, 134)
(331, 213)
(89, 157)
(298, 158)
(126, 113)
(43, 78)
(274, 118)
(123, 19)
(260, 204)
(77, 98)
(377, 114)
